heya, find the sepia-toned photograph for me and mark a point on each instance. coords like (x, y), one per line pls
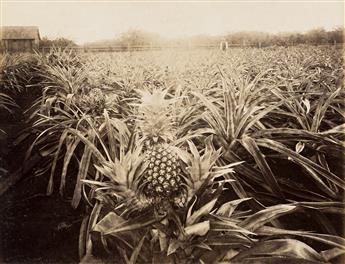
(172, 132)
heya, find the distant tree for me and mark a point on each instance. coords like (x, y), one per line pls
(59, 43)
(336, 35)
(317, 36)
(135, 38)
(296, 38)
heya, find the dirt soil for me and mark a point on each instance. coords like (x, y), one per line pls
(34, 228)
(37, 229)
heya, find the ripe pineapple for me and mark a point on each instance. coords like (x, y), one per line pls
(162, 181)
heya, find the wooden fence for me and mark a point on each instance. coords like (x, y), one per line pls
(142, 48)
(156, 48)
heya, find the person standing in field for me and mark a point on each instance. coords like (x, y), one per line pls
(224, 45)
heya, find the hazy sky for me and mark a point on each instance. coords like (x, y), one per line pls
(85, 21)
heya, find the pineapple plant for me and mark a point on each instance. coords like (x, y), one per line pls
(162, 181)
(92, 103)
(157, 202)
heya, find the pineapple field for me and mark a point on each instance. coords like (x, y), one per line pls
(173, 156)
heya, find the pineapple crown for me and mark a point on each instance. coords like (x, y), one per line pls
(154, 116)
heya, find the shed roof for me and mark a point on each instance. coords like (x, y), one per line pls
(16, 32)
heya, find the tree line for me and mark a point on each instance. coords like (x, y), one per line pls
(315, 37)
(140, 38)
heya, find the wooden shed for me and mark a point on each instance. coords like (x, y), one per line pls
(19, 39)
